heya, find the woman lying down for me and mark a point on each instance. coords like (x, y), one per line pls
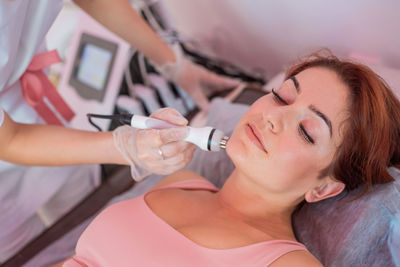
(332, 124)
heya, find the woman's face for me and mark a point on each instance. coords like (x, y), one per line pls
(287, 137)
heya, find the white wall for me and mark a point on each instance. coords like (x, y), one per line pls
(269, 34)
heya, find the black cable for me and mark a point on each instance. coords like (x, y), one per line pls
(122, 118)
(94, 124)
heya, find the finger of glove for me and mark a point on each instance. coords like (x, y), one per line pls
(199, 98)
(146, 156)
(170, 115)
(189, 154)
(217, 81)
(148, 139)
(173, 134)
(172, 164)
(190, 80)
(173, 148)
(152, 160)
(179, 161)
(166, 166)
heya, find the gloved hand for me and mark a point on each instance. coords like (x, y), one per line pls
(158, 151)
(194, 78)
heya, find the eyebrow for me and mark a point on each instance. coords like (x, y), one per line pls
(312, 107)
(296, 83)
(322, 116)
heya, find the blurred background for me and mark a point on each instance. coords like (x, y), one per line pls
(253, 41)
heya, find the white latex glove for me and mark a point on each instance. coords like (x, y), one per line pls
(194, 78)
(157, 151)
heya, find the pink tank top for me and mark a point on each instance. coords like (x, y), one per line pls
(130, 234)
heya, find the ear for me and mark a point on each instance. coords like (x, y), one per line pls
(330, 188)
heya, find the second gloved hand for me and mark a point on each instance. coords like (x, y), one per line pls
(157, 151)
(194, 78)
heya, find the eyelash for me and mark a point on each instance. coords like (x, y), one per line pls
(301, 129)
(305, 135)
(278, 98)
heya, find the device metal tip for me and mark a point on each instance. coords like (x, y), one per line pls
(222, 143)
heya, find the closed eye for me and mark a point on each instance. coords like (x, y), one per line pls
(278, 99)
(302, 131)
(305, 135)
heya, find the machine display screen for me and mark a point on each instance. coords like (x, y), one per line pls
(93, 63)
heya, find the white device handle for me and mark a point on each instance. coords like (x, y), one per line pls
(206, 138)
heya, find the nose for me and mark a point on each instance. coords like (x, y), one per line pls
(273, 120)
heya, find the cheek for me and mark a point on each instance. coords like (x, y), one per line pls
(308, 159)
(301, 169)
(289, 150)
(295, 160)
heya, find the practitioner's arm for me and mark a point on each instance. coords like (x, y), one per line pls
(120, 17)
(32, 144)
(49, 145)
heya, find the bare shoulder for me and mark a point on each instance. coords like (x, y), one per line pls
(297, 258)
(179, 176)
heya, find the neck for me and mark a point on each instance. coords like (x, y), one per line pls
(242, 199)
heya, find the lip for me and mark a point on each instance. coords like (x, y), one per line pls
(255, 137)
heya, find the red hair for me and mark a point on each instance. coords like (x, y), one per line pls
(371, 133)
